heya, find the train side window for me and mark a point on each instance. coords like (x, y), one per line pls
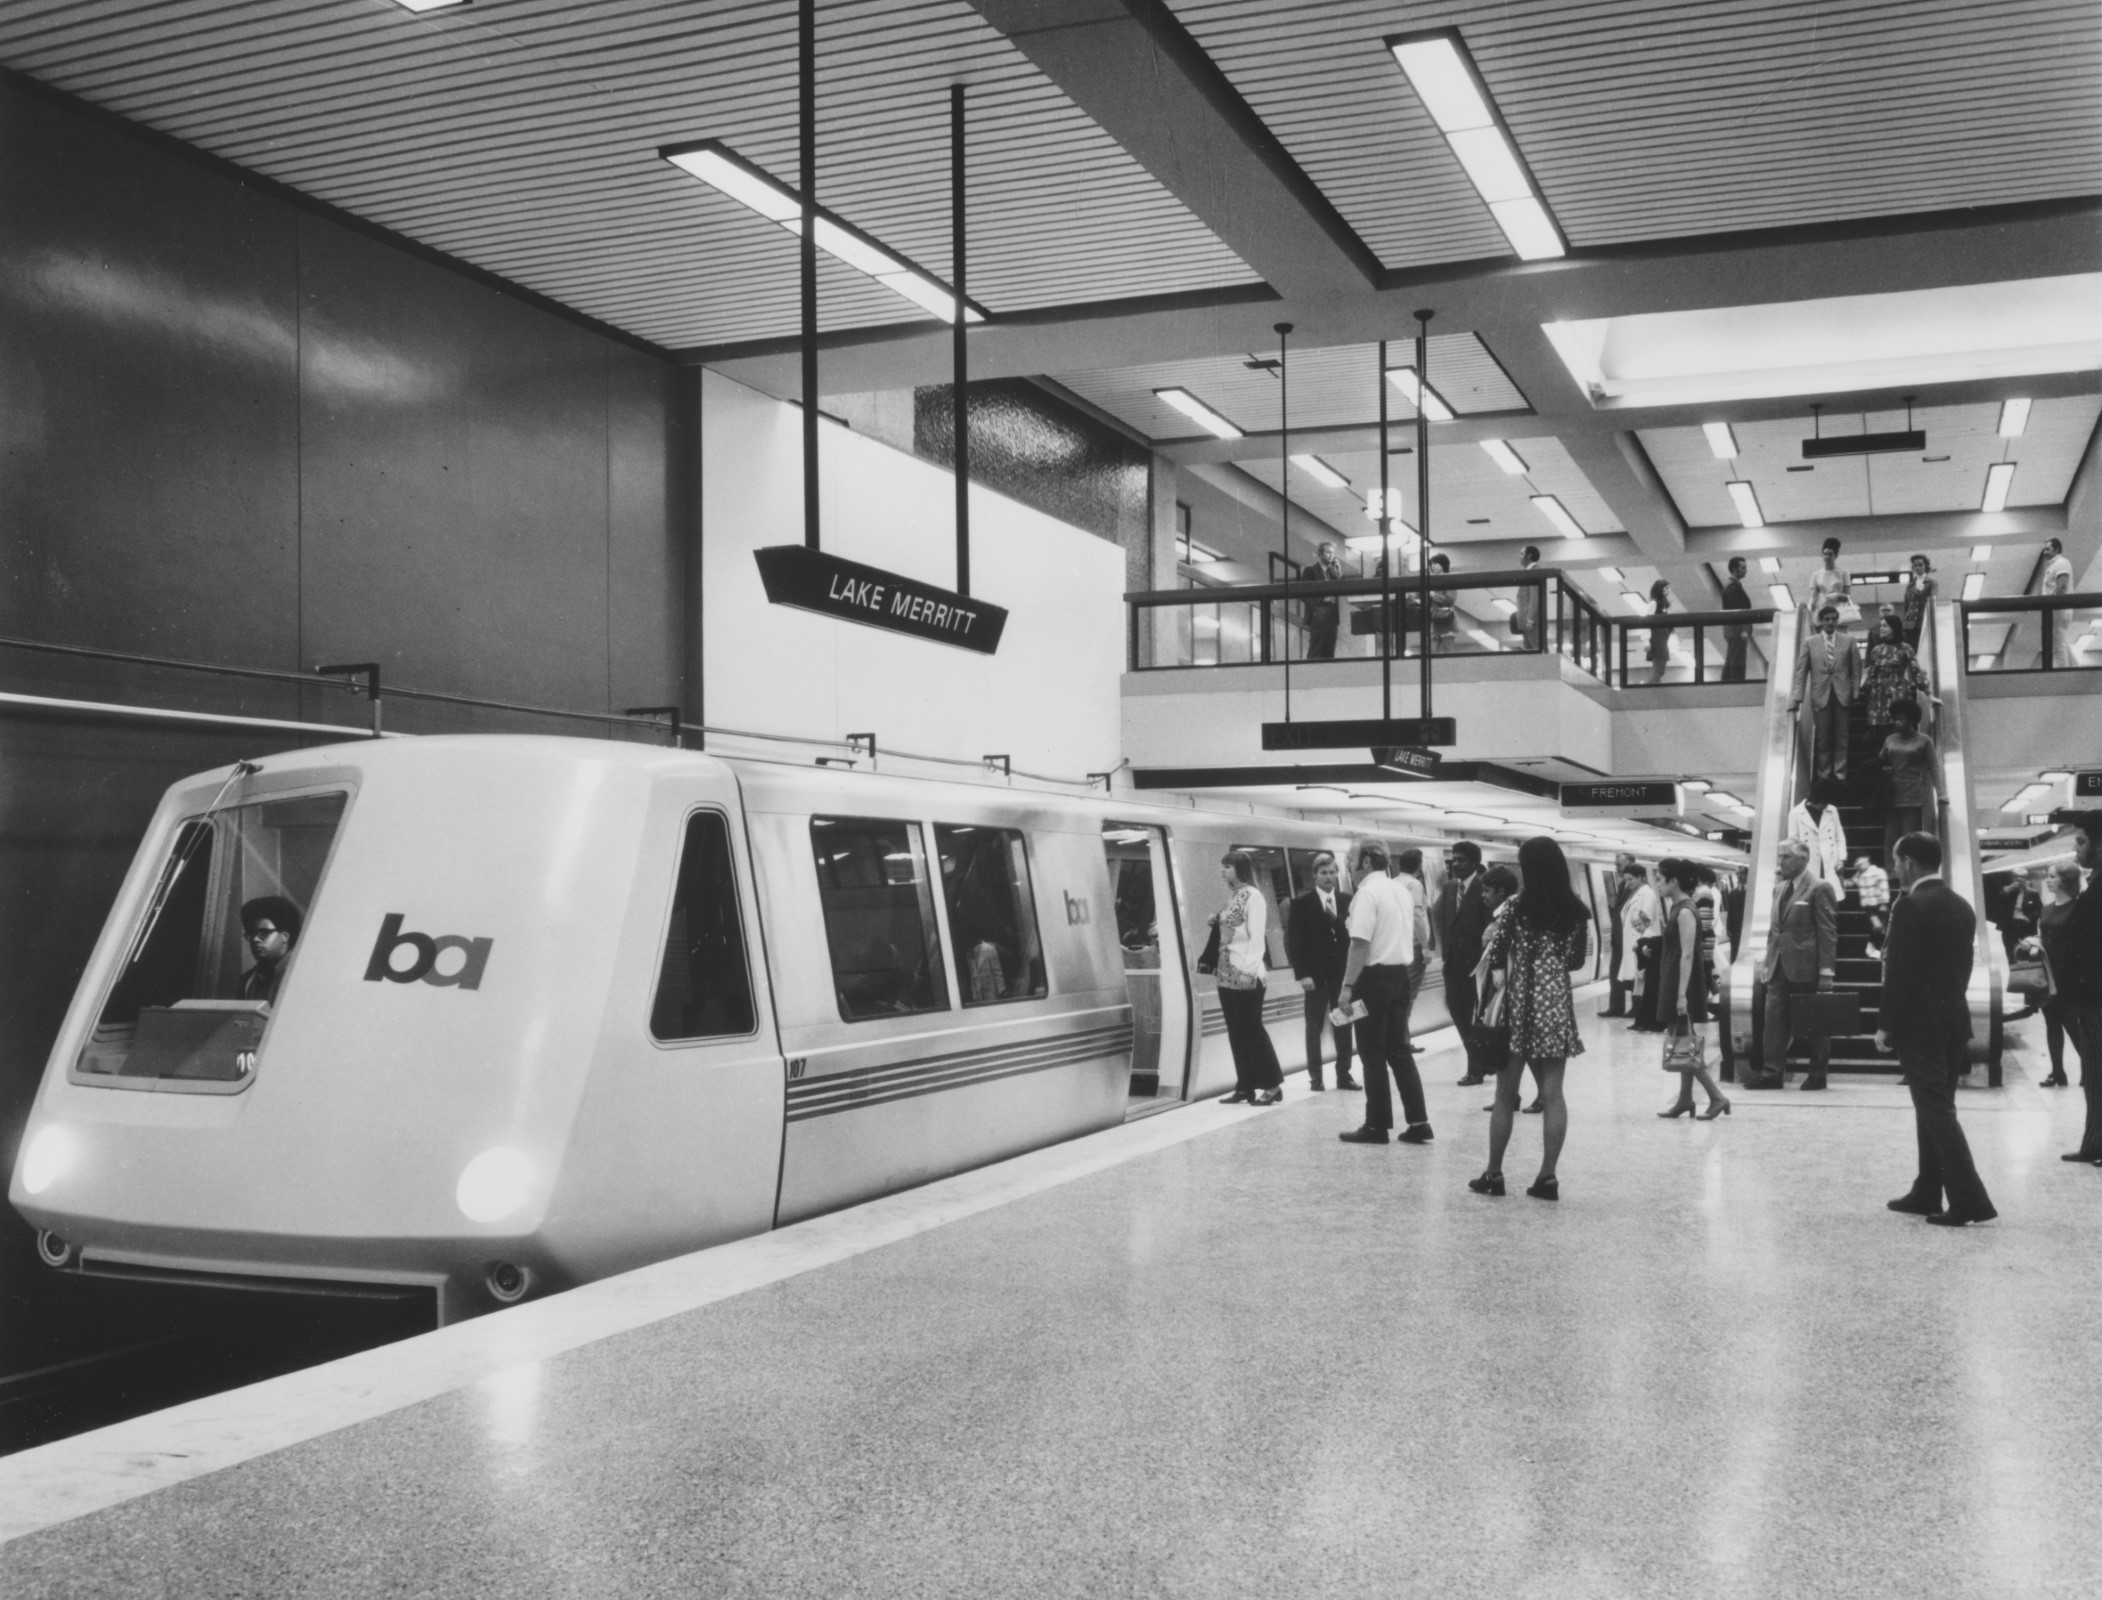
(1303, 868)
(879, 916)
(704, 986)
(1274, 880)
(992, 913)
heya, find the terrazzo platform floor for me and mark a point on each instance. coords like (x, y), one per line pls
(1262, 1363)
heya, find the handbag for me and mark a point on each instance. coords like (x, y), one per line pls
(2029, 975)
(1684, 1052)
(1489, 1015)
(1208, 963)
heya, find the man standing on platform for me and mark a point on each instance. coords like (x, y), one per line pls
(1382, 948)
(1460, 947)
(1927, 1021)
(1324, 612)
(1736, 636)
(1802, 952)
(1828, 675)
(2080, 983)
(1318, 941)
(1626, 879)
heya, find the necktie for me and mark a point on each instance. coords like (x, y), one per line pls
(1328, 904)
(1828, 652)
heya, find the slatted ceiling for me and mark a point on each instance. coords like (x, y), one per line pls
(1652, 119)
(1337, 385)
(521, 136)
(2047, 455)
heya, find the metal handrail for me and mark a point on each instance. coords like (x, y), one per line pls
(1963, 865)
(1777, 781)
(1300, 589)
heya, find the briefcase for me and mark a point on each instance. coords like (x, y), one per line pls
(1824, 1016)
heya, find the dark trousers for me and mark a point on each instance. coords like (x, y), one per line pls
(1319, 1001)
(1932, 1065)
(1736, 644)
(2084, 1023)
(1321, 619)
(1383, 1042)
(1770, 1023)
(1897, 822)
(1460, 1001)
(1254, 1057)
(1828, 739)
(2055, 1038)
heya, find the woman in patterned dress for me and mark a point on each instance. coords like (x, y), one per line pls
(1893, 672)
(1243, 975)
(1920, 588)
(1546, 936)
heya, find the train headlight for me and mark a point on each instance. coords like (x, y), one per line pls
(50, 1153)
(493, 1185)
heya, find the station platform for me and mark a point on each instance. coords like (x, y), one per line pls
(1214, 1352)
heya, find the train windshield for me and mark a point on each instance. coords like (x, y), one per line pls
(214, 951)
(992, 913)
(879, 916)
(704, 989)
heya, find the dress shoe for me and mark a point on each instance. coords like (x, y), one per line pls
(1816, 1080)
(1315, 1086)
(1961, 1219)
(2056, 1081)
(1414, 1133)
(1912, 1205)
(1366, 1135)
(1545, 1189)
(1768, 1082)
(1472, 1081)
(1240, 1097)
(1487, 1183)
(1720, 1108)
(1268, 1097)
(2079, 1155)
(1346, 1083)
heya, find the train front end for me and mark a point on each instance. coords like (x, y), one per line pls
(338, 1027)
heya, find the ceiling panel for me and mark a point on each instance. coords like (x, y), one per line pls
(1648, 119)
(520, 136)
(1329, 387)
(1962, 441)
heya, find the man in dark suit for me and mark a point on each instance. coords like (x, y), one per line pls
(1736, 636)
(1318, 941)
(1802, 955)
(1466, 925)
(1927, 1021)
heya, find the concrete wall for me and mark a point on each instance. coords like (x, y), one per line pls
(1048, 699)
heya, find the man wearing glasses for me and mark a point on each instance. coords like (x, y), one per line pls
(270, 925)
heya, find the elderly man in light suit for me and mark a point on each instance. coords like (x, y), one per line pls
(1802, 950)
(1828, 675)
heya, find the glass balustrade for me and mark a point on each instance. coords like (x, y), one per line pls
(2034, 633)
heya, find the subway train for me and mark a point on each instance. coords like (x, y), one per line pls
(554, 1008)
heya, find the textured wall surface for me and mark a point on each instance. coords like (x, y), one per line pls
(1050, 457)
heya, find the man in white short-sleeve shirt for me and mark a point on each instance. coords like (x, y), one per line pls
(2058, 579)
(1383, 913)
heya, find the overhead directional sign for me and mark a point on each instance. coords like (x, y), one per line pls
(813, 581)
(2087, 786)
(1405, 758)
(1642, 799)
(1417, 731)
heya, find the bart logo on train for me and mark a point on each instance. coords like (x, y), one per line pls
(467, 975)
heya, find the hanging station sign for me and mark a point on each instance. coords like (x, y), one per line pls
(1419, 732)
(810, 580)
(2087, 786)
(1657, 799)
(1406, 758)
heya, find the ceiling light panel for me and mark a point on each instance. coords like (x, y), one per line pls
(1431, 402)
(1779, 594)
(1443, 75)
(1981, 553)
(1999, 478)
(1198, 412)
(1746, 500)
(1721, 441)
(1558, 516)
(2014, 417)
(1500, 452)
(1973, 585)
(1611, 574)
(1321, 472)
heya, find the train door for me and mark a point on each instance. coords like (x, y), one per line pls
(1156, 974)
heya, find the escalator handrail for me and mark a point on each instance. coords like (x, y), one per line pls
(1777, 785)
(1963, 866)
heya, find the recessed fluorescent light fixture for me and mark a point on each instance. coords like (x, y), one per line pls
(727, 172)
(1636, 602)
(1558, 516)
(1770, 565)
(1504, 456)
(2014, 417)
(1904, 339)
(431, 5)
(1779, 595)
(1747, 503)
(1321, 472)
(1200, 413)
(1611, 574)
(1697, 785)
(1981, 553)
(1721, 440)
(1432, 404)
(1444, 77)
(1974, 585)
(1998, 478)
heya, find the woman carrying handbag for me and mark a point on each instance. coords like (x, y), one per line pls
(1682, 993)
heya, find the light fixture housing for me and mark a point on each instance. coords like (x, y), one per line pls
(1981, 553)
(1747, 502)
(1450, 86)
(421, 6)
(1973, 585)
(1321, 472)
(724, 170)
(1770, 565)
(2014, 417)
(1198, 412)
(1721, 441)
(1424, 396)
(1558, 516)
(1500, 452)
(1611, 574)
(1779, 595)
(1999, 478)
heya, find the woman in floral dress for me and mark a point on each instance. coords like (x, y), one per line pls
(1545, 937)
(1893, 672)
(1920, 588)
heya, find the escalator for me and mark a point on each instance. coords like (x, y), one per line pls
(1783, 780)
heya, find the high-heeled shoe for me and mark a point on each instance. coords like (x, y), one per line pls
(1268, 1097)
(1487, 1183)
(1685, 1109)
(1545, 1189)
(1721, 1108)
